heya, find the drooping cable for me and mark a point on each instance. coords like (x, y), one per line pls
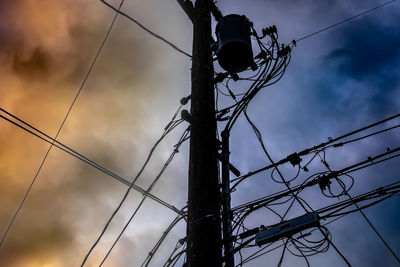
(323, 160)
(161, 240)
(156, 179)
(332, 142)
(166, 132)
(259, 137)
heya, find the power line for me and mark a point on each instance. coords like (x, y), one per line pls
(345, 20)
(60, 128)
(161, 240)
(382, 193)
(258, 203)
(259, 137)
(329, 143)
(167, 130)
(362, 213)
(147, 29)
(365, 136)
(176, 150)
(86, 160)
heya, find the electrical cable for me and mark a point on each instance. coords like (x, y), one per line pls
(254, 255)
(321, 177)
(345, 192)
(86, 160)
(173, 258)
(161, 240)
(382, 192)
(185, 133)
(146, 29)
(167, 130)
(317, 148)
(283, 253)
(345, 20)
(259, 137)
(363, 137)
(60, 128)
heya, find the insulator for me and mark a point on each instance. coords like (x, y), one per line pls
(186, 116)
(234, 45)
(185, 100)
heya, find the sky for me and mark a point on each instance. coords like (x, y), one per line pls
(337, 81)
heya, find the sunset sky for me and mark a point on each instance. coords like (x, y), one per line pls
(337, 81)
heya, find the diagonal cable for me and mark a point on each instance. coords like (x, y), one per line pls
(44, 137)
(345, 20)
(362, 212)
(146, 29)
(181, 140)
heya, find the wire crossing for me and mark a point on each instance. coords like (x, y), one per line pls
(41, 135)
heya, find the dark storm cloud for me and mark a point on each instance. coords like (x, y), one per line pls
(366, 56)
(367, 49)
(35, 65)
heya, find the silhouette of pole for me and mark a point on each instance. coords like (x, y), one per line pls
(203, 225)
(226, 203)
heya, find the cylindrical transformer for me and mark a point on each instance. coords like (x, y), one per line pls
(234, 45)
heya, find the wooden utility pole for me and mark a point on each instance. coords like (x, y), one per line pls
(203, 225)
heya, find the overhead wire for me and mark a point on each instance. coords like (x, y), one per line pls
(363, 137)
(156, 179)
(138, 175)
(61, 127)
(173, 258)
(37, 133)
(346, 192)
(146, 29)
(320, 177)
(316, 148)
(383, 193)
(295, 196)
(345, 20)
(152, 253)
(255, 256)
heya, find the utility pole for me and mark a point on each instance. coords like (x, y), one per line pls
(203, 224)
(226, 203)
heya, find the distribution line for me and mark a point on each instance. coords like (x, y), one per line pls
(147, 29)
(86, 160)
(258, 203)
(168, 129)
(381, 193)
(362, 213)
(176, 150)
(60, 128)
(259, 137)
(152, 253)
(345, 20)
(330, 143)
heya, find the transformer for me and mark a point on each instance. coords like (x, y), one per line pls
(234, 45)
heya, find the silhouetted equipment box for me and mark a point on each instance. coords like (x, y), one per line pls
(234, 45)
(288, 228)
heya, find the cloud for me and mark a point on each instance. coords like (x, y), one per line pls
(36, 65)
(366, 49)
